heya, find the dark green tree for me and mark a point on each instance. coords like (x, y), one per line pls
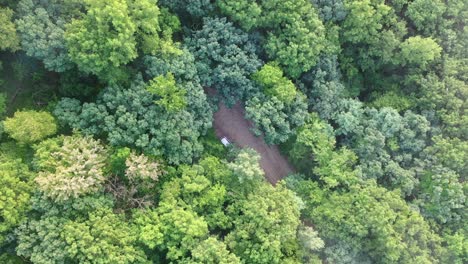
(225, 58)
(275, 119)
(129, 117)
(41, 25)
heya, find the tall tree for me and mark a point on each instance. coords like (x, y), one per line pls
(75, 169)
(212, 250)
(266, 226)
(419, 51)
(41, 25)
(376, 222)
(8, 36)
(103, 237)
(129, 117)
(104, 39)
(171, 97)
(30, 126)
(110, 33)
(16, 188)
(296, 35)
(270, 78)
(225, 57)
(275, 119)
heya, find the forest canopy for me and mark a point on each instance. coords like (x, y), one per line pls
(233, 131)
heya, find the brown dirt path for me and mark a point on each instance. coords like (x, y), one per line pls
(230, 123)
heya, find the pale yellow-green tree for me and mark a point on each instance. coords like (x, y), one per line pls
(75, 169)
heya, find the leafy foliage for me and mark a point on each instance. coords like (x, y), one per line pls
(330, 10)
(366, 99)
(296, 34)
(307, 37)
(246, 13)
(420, 51)
(274, 118)
(188, 8)
(265, 231)
(387, 230)
(314, 146)
(129, 117)
(245, 166)
(183, 67)
(41, 25)
(29, 126)
(104, 238)
(172, 228)
(70, 167)
(75, 169)
(171, 97)
(425, 14)
(16, 190)
(212, 250)
(9, 38)
(104, 39)
(108, 35)
(139, 167)
(3, 103)
(270, 78)
(224, 58)
(154, 27)
(443, 196)
(40, 241)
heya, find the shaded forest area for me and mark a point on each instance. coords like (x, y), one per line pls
(108, 152)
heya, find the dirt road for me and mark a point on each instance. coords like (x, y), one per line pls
(230, 123)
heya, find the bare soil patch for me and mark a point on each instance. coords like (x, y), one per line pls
(230, 123)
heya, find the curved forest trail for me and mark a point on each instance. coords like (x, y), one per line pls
(230, 123)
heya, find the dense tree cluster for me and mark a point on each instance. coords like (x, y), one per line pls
(110, 146)
(129, 117)
(225, 58)
(296, 34)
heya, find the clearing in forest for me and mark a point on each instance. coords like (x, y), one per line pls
(230, 123)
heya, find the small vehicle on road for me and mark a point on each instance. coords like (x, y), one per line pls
(225, 141)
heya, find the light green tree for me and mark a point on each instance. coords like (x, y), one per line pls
(154, 27)
(377, 222)
(426, 15)
(171, 228)
(212, 250)
(419, 51)
(246, 13)
(30, 126)
(104, 237)
(103, 40)
(15, 189)
(171, 97)
(9, 39)
(271, 78)
(246, 167)
(265, 226)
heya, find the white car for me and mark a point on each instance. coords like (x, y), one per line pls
(225, 141)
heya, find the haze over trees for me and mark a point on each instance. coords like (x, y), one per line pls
(109, 152)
